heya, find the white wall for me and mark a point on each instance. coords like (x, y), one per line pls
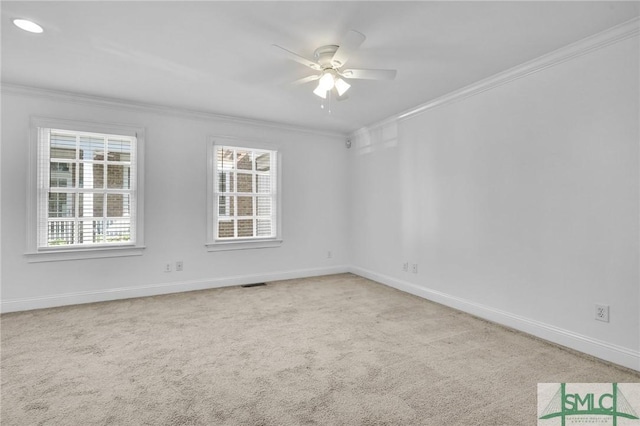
(175, 208)
(518, 204)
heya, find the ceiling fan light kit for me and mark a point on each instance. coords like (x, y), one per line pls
(342, 86)
(327, 81)
(319, 91)
(329, 61)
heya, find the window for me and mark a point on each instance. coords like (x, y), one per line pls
(244, 197)
(87, 191)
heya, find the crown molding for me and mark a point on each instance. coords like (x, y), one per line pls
(106, 102)
(584, 46)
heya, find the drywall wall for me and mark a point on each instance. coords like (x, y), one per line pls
(313, 170)
(518, 204)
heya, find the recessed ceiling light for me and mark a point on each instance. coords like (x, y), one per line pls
(27, 25)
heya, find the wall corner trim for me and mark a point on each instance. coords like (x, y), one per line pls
(606, 351)
(581, 47)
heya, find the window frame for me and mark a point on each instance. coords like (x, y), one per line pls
(239, 243)
(36, 209)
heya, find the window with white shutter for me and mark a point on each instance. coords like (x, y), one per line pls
(87, 191)
(244, 197)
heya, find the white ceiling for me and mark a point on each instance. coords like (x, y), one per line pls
(217, 56)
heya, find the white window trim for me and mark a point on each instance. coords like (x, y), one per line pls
(48, 254)
(212, 244)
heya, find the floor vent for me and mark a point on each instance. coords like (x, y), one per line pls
(253, 285)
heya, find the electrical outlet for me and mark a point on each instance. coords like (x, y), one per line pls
(602, 312)
(167, 267)
(414, 268)
(329, 254)
(179, 265)
(405, 266)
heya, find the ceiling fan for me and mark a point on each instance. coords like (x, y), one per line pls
(329, 61)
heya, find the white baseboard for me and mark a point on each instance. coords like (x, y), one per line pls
(606, 351)
(55, 300)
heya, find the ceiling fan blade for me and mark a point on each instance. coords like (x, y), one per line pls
(300, 59)
(370, 74)
(348, 45)
(305, 80)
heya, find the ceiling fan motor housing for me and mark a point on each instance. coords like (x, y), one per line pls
(324, 54)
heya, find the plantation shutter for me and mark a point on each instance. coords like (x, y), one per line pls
(245, 193)
(86, 189)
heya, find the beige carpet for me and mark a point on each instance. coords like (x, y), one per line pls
(334, 350)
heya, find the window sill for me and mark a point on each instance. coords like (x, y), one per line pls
(243, 245)
(83, 253)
